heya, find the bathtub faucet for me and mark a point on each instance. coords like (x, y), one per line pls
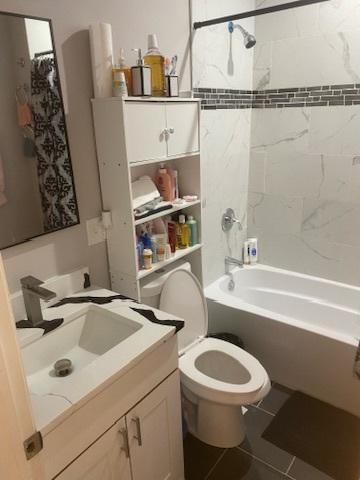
(232, 261)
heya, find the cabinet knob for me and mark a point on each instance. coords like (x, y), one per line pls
(171, 130)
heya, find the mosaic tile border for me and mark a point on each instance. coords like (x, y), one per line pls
(317, 96)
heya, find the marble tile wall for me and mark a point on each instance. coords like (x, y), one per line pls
(304, 190)
(304, 176)
(219, 61)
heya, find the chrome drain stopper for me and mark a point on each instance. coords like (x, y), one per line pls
(63, 367)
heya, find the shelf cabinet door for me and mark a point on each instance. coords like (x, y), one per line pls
(106, 459)
(145, 125)
(155, 435)
(183, 125)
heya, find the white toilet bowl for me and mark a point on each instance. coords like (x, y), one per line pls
(217, 377)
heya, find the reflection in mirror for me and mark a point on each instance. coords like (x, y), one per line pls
(37, 193)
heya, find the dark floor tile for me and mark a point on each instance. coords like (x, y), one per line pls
(319, 434)
(302, 471)
(276, 398)
(237, 465)
(199, 458)
(256, 422)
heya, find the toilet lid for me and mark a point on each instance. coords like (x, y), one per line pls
(182, 296)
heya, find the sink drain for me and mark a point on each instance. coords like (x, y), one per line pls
(63, 367)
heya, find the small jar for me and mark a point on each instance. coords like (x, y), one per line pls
(167, 251)
(147, 255)
(160, 251)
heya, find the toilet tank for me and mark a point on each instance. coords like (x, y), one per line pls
(151, 289)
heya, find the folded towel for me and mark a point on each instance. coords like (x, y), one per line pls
(3, 198)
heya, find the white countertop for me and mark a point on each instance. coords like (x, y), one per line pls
(70, 393)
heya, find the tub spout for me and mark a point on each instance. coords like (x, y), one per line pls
(232, 261)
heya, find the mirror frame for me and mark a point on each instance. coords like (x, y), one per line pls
(49, 21)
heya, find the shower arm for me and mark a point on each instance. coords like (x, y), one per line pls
(255, 13)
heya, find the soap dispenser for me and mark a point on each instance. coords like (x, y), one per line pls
(141, 77)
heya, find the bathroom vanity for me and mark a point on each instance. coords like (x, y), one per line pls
(119, 409)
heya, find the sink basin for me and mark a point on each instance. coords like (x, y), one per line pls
(91, 334)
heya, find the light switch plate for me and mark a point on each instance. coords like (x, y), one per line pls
(96, 232)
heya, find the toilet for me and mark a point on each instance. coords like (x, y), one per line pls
(217, 377)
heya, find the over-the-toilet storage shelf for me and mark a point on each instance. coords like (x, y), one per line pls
(133, 136)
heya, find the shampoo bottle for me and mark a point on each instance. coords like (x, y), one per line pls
(156, 62)
(192, 223)
(182, 233)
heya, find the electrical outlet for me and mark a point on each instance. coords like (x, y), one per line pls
(96, 232)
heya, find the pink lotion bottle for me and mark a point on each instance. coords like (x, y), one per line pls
(164, 184)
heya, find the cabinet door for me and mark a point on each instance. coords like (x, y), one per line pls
(155, 434)
(145, 125)
(106, 459)
(183, 126)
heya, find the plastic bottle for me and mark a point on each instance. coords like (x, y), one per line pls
(156, 61)
(182, 233)
(126, 70)
(171, 226)
(253, 250)
(246, 256)
(193, 230)
(164, 184)
(147, 255)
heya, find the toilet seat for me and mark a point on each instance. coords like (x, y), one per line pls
(250, 375)
(210, 368)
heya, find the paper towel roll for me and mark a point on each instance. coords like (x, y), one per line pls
(101, 48)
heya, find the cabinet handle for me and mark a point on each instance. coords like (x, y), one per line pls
(171, 130)
(125, 447)
(138, 437)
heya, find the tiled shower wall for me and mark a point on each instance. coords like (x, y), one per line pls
(219, 63)
(304, 182)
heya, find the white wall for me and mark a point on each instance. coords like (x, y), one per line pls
(221, 61)
(63, 251)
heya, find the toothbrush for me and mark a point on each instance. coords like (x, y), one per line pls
(173, 64)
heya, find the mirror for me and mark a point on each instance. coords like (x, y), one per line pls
(37, 192)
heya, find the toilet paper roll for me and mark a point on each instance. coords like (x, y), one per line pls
(101, 48)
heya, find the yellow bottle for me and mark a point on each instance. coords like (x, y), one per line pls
(182, 233)
(156, 62)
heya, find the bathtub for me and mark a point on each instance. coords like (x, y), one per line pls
(304, 330)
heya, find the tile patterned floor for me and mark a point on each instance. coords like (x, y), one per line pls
(255, 458)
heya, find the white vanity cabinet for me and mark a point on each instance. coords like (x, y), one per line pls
(106, 459)
(145, 444)
(158, 130)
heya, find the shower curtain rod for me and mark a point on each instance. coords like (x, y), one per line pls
(255, 13)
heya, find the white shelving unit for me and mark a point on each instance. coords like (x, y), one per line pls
(133, 136)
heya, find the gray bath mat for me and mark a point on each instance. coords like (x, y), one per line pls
(321, 435)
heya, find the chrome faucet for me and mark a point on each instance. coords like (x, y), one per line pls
(232, 261)
(32, 293)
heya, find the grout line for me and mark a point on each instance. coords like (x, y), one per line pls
(262, 461)
(215, 464)
(266, 411)
(291, 464)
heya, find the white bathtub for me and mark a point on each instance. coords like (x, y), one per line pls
(305, 330)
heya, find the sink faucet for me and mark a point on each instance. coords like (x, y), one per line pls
(32, 293)
(232, 261)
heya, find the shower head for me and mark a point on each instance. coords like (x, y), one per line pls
(249, 40)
